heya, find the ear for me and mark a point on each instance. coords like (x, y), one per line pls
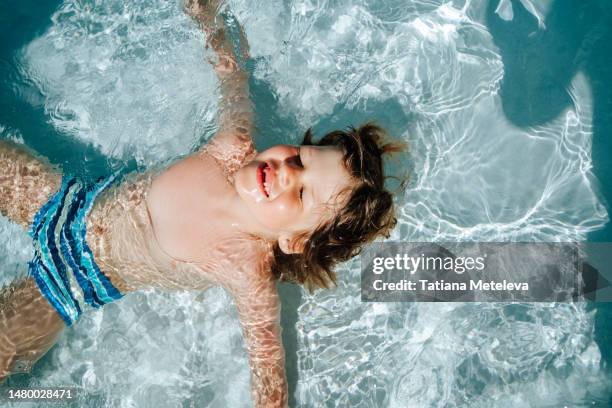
(290, 244)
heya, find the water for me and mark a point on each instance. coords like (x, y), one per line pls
(501, 149)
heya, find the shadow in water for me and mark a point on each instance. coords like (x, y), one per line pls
(21, 102)
(273, 124)
(539, 65)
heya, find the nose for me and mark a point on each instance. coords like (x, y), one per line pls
(290, 173)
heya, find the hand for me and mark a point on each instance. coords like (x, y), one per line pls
(206, 13)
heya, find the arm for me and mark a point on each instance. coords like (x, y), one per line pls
(258, 308)
(235, 109)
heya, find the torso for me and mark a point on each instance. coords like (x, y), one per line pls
(185, 203)
(164, 230)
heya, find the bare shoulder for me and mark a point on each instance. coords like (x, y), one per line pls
(248, 271)
(231, 149)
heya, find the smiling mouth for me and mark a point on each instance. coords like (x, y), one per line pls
(261, 179)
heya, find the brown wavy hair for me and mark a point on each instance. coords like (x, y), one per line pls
(368, 214)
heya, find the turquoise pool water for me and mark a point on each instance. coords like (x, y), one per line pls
(506, 105)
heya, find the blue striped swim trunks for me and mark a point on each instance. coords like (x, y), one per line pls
(63, 265)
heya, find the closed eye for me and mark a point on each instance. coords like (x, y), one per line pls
(301, 193)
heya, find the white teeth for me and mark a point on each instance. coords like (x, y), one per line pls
(266, 188)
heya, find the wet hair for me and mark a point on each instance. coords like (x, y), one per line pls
(368, 213)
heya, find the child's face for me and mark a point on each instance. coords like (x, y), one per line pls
(291, 189)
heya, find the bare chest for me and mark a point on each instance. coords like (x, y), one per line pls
(186, 203)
